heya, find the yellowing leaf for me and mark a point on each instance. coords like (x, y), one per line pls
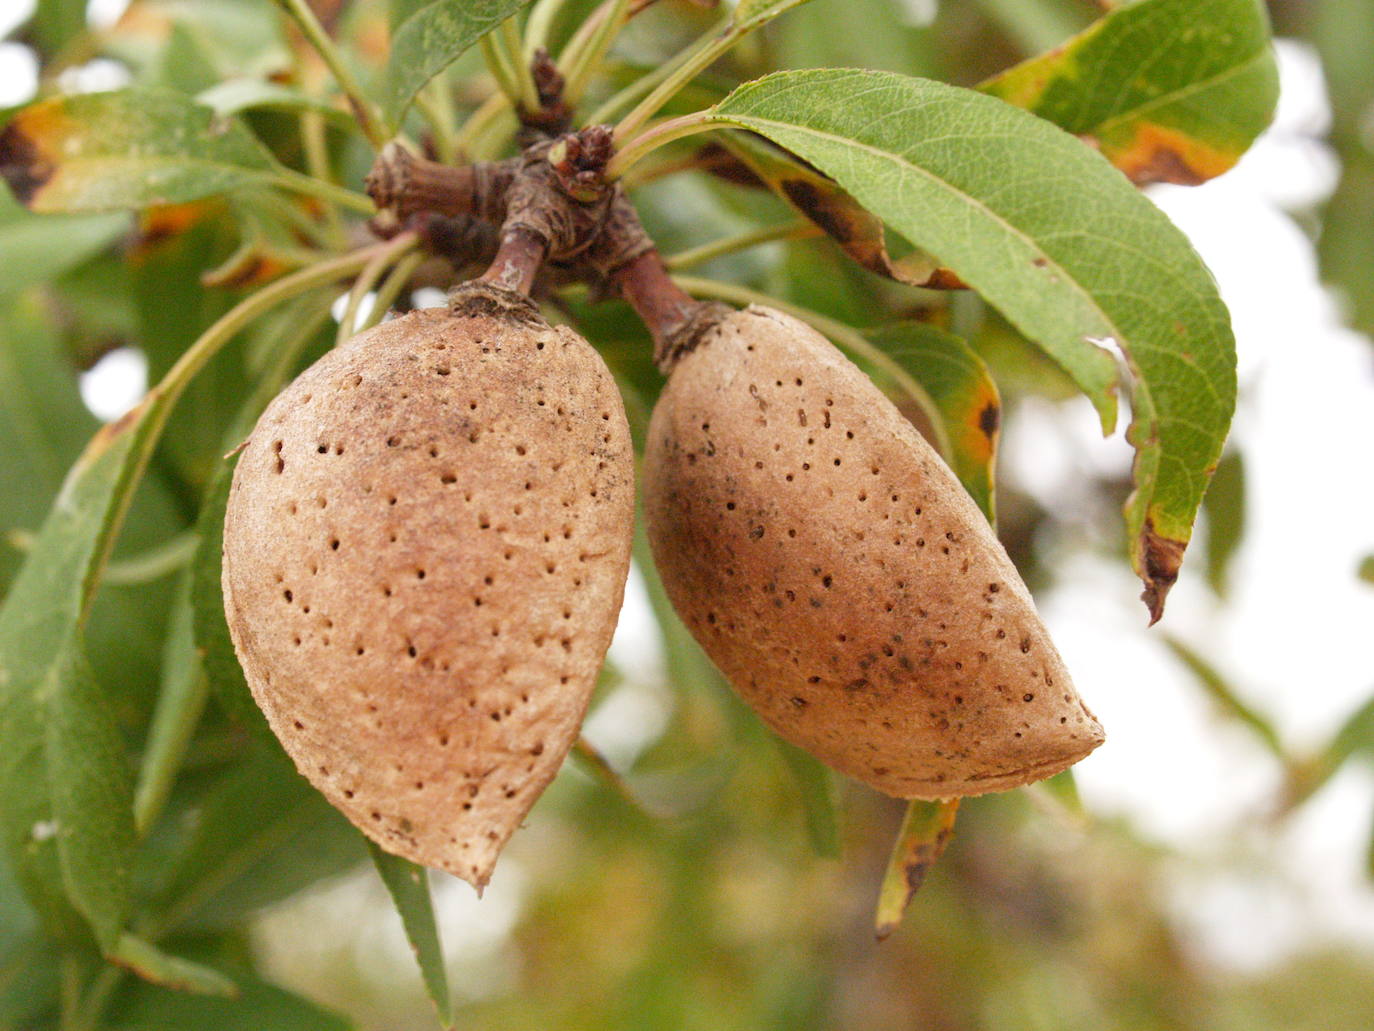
(1169, 90)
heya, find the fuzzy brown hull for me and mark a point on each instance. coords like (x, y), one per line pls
(840, 577)
(425, 553)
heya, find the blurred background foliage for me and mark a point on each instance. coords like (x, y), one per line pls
(717, 899)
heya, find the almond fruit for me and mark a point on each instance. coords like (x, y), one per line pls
(425, 552)
(840, 577)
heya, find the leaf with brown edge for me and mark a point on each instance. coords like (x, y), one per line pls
(926, 830)
(820, 199)
(129, 149)
(959, 384)
(1168, 90)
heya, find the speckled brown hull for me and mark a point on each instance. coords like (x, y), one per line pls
(835, 570)
(424, 557)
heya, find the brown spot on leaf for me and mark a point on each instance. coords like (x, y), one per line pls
(943, 279)
(1156, 154)
(253, 269)
(22, 163)
(989, 419)
(717, 161)
(836, 218)
(919, 855)
(1161, 558)
(167, 221)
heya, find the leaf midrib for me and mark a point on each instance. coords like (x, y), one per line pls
(1179, 94)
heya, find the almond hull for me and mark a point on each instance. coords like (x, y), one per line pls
(837, 573)
(425, 551)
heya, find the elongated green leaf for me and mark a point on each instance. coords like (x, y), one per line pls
(92, 802)
(1346, 247)
(29, 978)
(211, 631)
(959, 384)
(42, 420)
(184, 63)
(926, 830)
(258, 1007)
(431, 39)
(1063, 789)
(129, 149)
(235, 96)
(1039, 24)
(1226, 697)
(263, 833)
(1354, 737)
(1343, 31)
(1224, 504)
(36, 249)
(66, 815)
(67, 812)
(409, 888)
(180, 702)
(285, 338)
(1169, 90)
(820, 798)
(157, 967)
(1054, 238)
(750, 14)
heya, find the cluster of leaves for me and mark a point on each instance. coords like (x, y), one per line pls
(147, 812)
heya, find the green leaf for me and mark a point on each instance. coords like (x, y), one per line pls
(824, 36)
(1346, 246)
(1039, 24)
(430, 40)
(62, 771)
(183, 63)
(58, 23)
(1224, 504)
(42, 420)
(926, 830)
(1053, 237)
(409, 888)
(262, 833)
(157, 967)
(299, 327)
(66, 815)
(258, 1007)
(235, 96)
(1063, 789)
(1169, 90)
(29, 979)
(1225, 696)
(819, 795)
(959, 384)
(210, 628)
(750, 14)
(180, 702)
(1366, 569)
(128, 149)
(36, 249)
(92, 803)
(1355, 736)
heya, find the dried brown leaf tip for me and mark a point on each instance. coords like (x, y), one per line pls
(425, 553)
(835, 570)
